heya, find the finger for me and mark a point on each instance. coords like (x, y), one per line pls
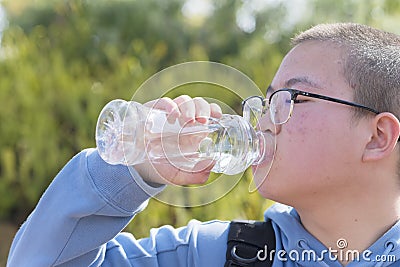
(215, 111)
(168, 174)
(166, 104)
(202, 109)
(199, 178)
(190, 178)
(186, 107)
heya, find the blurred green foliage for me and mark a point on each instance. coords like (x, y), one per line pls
(62, 61)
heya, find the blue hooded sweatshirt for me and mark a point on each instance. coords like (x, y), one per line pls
(79, 219)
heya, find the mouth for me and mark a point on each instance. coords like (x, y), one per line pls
(262, 167)
(267, 148)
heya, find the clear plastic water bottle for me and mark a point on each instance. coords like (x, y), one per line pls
(129, 133)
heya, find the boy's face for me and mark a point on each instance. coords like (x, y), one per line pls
(317, 150)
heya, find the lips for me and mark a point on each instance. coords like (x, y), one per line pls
(262, 167)
(267, 148)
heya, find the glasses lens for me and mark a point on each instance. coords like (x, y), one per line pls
(280, 107)
(252, 110)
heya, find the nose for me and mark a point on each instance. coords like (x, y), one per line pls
(266, 125)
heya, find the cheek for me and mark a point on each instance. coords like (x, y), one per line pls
(315, 145)
(309, 132)
(309, 156)
(306, 146)
(297, 135)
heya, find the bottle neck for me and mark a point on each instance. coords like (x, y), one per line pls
(260, 142)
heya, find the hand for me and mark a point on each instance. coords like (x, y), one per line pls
(186, 110)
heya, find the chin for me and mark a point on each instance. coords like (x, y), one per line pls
(268, 191)
(269, 184)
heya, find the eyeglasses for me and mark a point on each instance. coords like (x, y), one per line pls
(280, 105)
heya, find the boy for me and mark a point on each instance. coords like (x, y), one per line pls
(333, 107)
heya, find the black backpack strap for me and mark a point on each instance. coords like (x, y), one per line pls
(250, 244)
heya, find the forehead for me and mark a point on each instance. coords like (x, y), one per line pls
(311, 65)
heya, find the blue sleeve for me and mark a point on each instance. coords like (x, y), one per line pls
(197, 244)
(78, 220)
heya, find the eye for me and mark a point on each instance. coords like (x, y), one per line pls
(299, 101)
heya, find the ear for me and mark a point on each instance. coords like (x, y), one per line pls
(384, 137)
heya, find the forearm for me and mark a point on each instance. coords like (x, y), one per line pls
(86, 205)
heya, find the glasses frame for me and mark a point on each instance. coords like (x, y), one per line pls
(293, 96)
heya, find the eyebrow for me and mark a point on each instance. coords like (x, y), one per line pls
(293, 81)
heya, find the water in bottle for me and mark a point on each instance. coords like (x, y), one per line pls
(129, 133)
